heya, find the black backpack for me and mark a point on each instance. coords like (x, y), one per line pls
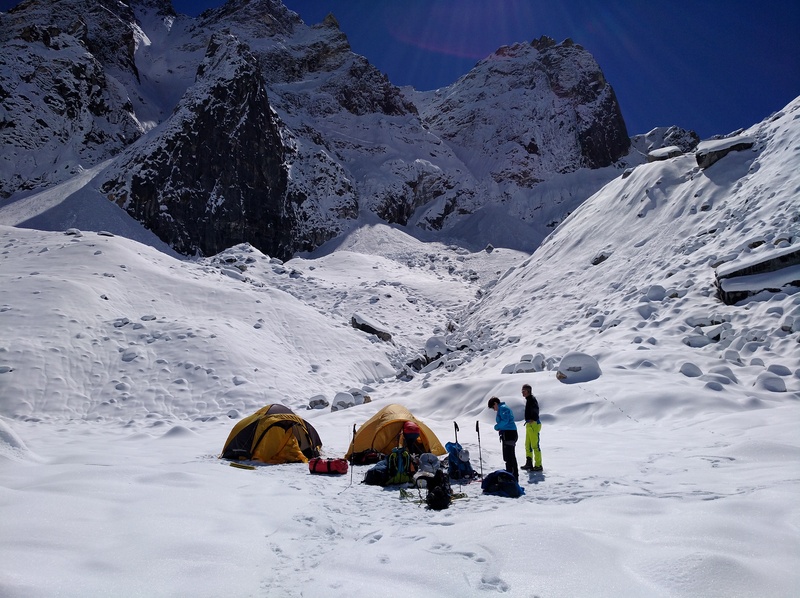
(439, 493)
(502, 483)
(377, 475)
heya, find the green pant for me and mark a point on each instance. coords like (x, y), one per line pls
(532, 430)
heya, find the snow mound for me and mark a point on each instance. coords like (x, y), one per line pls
(578, 367)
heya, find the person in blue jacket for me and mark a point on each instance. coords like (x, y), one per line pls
(507, 428)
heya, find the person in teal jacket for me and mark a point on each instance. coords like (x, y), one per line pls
(507, 428)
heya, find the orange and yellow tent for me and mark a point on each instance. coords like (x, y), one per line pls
(273, 434)
(383, 431)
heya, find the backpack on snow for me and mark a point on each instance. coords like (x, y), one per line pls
(428, 463)
(439, 492)
(426, 468)
(502, 483)
(458, 465)
(319, 465)
(377, 475)
(400, 468)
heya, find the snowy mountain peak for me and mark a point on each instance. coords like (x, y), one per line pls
(560, 114)
(349, 144)
(262, 18)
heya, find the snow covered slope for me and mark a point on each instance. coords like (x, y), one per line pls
(630, 275)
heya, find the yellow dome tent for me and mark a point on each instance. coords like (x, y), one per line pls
(383, 430)
(273, 434)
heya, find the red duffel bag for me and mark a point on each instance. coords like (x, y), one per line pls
(319, 465)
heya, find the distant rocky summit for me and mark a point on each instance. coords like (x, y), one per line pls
(246, 125)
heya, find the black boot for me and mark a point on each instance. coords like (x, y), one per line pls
(528, 464)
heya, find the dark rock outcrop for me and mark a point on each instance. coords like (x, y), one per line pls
(360, 323)
(214, 176)
(59, 109)
(713, 151)
(775, 271)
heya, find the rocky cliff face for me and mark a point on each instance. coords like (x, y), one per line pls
(284, 137)
(60, 107)
(214, 173)
(559, 114)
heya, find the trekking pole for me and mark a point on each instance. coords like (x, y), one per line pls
(480, 454)
(455, 425)
(352, 454)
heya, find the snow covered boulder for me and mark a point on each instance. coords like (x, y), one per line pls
(771, 270)
(359, 396)
(779, 370)
(524, 367)
(791, 324)
(709, 152)
(435, 347)
(538, 362)
(435, 364)
(691, 370)
(527, 363)
(359, 322)
(578, 367)
(318, 402)
(343, 400)
(771, 382)
(696, 341)
(664, 153)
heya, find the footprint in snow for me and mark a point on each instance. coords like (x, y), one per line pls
(494, 583)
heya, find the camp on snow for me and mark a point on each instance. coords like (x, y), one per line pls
(384, 430)
(273, 434)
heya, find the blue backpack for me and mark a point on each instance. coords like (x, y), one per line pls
(457, 468)
(502, 483)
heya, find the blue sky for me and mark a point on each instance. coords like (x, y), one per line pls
(709, 65)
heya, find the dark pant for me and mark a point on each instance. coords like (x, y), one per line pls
(509, 439)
